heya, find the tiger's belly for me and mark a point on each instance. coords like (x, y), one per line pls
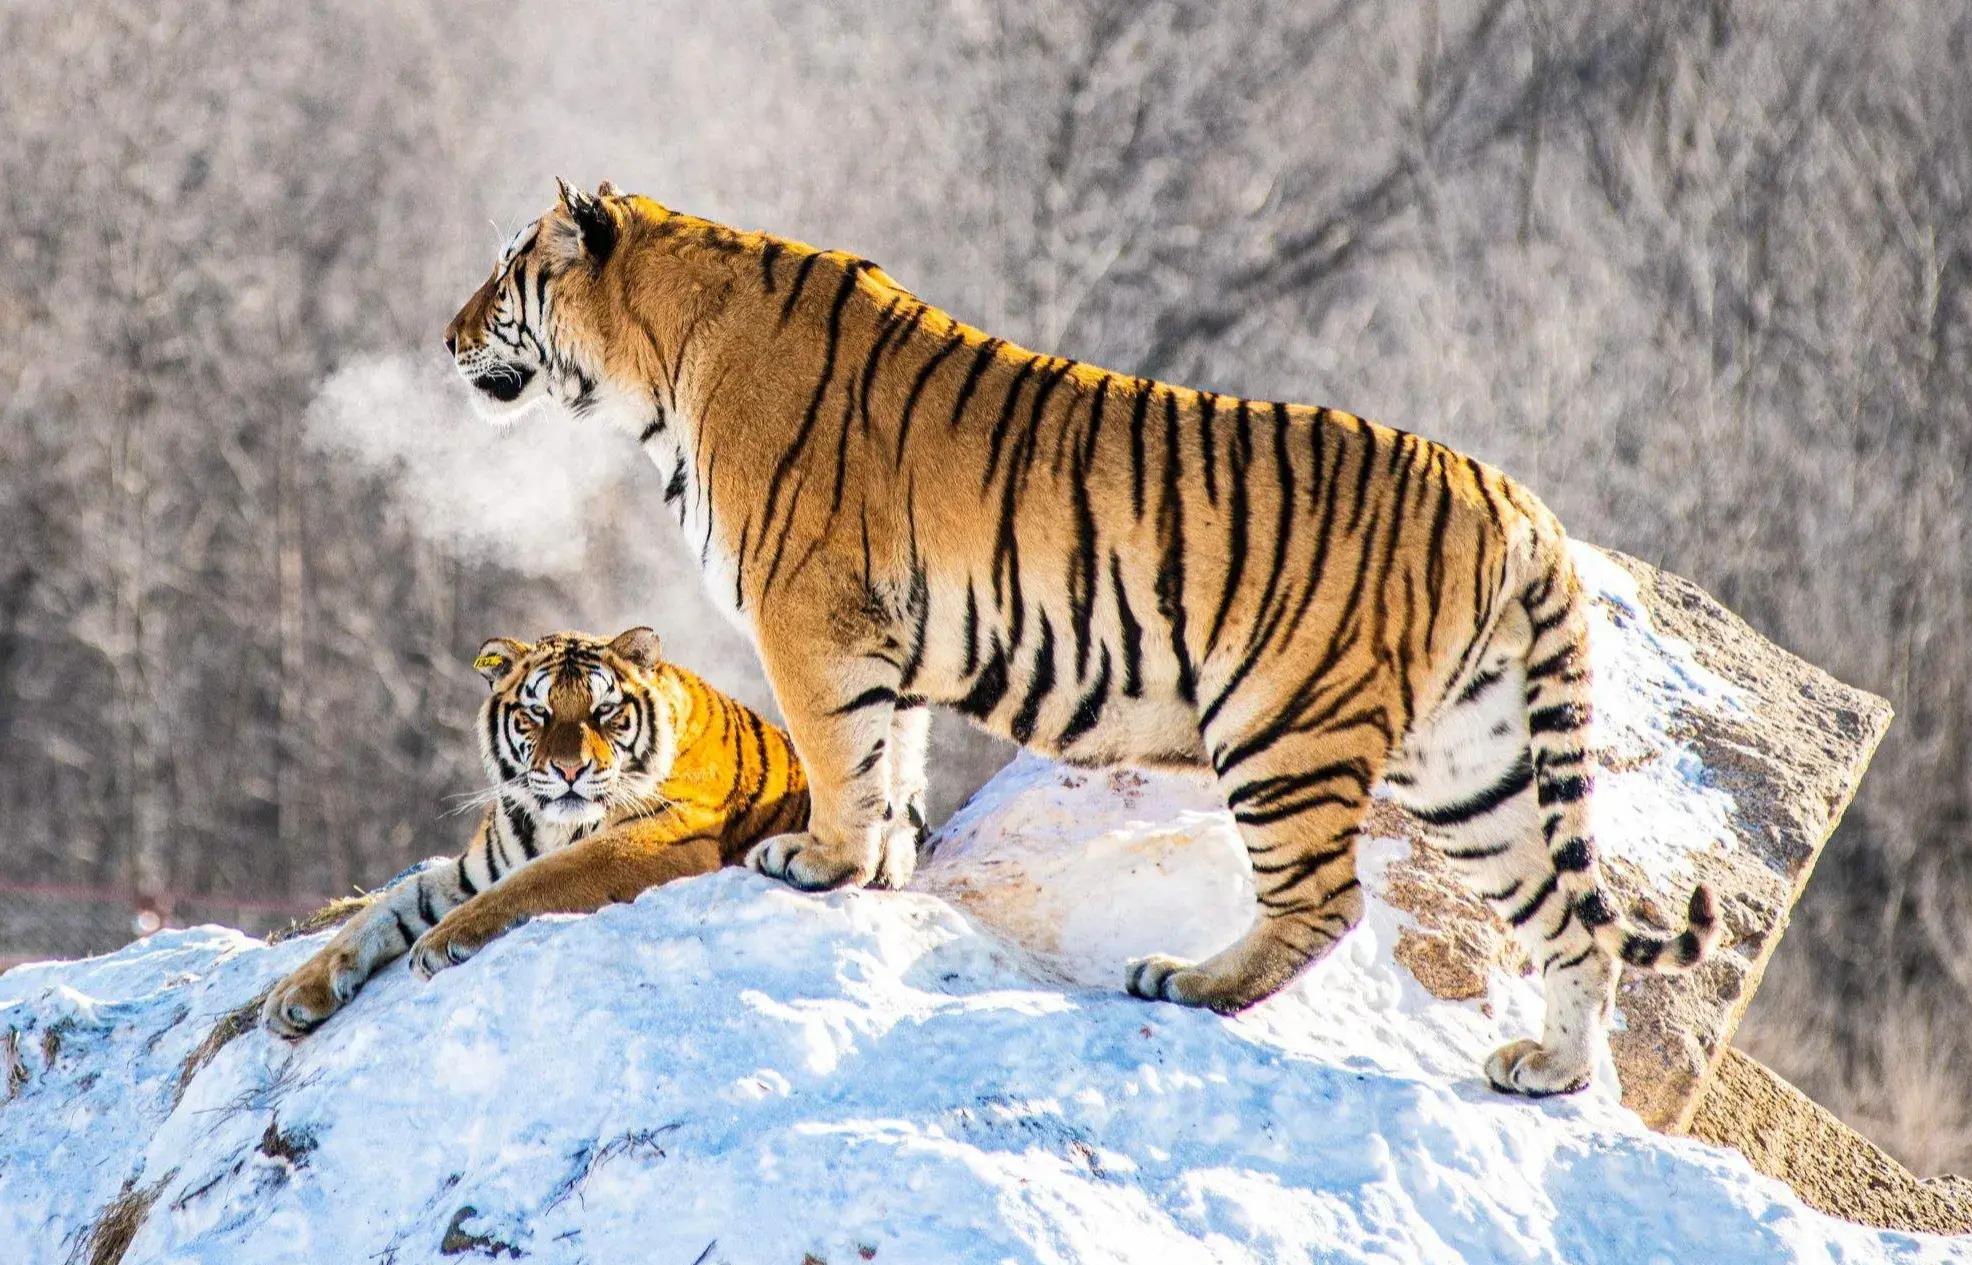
(1082, 721)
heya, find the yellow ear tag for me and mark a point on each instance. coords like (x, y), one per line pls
(489, 660)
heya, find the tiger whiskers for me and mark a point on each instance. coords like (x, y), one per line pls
(466, 801)
(654, 798)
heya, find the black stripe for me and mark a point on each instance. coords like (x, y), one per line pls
(869, 761)
(1088, 712)
(1266, 790)
(1171, 572)
(1480, 683)
(1521, 916)
(1082, 575)
(1642, 951)
(466, 885)
(1570, 963)
(971, 630)
(1138, 409)
(1515, 780)
(918, 605)
(1208, 407)
(1434, 558)
(875, 696)
(1560, 718)
(980, 359)
(1476, 854)
(1052, 378)
(1367, 459)
(1281, 812)
(1565, 790)
(523, 830)
(1239, 454)
(800, 283)
(403, 929)
(768, 254)
(997, 441)
(990, 687)
(891, 327)
(425, 911)
(1132, 632)
(792, 453)
(1574, 855)
(1291, 874)
(1542, 627)
(1039, 686)
(917, 388)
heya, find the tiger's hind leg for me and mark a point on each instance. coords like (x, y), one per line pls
(1468, 776)
(1299, 801)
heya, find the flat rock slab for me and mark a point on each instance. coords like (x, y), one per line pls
(1721, 757)
(1788, 1135)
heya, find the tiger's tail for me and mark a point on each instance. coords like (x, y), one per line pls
(1559, 709)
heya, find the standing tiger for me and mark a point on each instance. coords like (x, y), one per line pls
(902, 510)
(613, 771)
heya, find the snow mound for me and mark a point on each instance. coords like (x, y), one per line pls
(730, 1071)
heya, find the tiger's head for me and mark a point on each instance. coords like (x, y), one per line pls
(575, 725)
(543, 326)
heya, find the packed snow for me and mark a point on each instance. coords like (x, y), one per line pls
(731, 1071)
(728, 1070)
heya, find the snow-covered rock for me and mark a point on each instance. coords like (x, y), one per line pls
(730, 1071)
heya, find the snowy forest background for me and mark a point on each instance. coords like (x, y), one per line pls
(1700, 273)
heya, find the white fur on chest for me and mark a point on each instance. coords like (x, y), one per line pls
(690, 506)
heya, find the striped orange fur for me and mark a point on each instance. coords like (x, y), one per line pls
(612, 771)
(903, 510)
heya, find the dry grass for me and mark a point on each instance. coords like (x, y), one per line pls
(231, 1026)
(1891, 1064)
(333, 914)
(114, 1230)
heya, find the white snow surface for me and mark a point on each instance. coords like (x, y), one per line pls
(728, 1070)
(731, 1071)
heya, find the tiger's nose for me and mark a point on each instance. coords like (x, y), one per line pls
(570, 770)
(451, 343)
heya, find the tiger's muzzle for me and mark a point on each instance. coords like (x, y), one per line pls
(503, 382)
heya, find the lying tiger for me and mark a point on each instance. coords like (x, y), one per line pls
(613, 771)
(903, 510)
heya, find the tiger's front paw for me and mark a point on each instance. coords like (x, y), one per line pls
(452, 941)
(812, 864)
(312, 992)
(1161, 977)
(1530, 1068)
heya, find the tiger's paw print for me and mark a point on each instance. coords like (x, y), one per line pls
(1528, 1068)
(452, 941)
(312, 992)
(804, 861)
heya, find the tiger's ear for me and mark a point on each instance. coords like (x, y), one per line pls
(608, 190)
(638, 646)
(593, 222)
(497, 657)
